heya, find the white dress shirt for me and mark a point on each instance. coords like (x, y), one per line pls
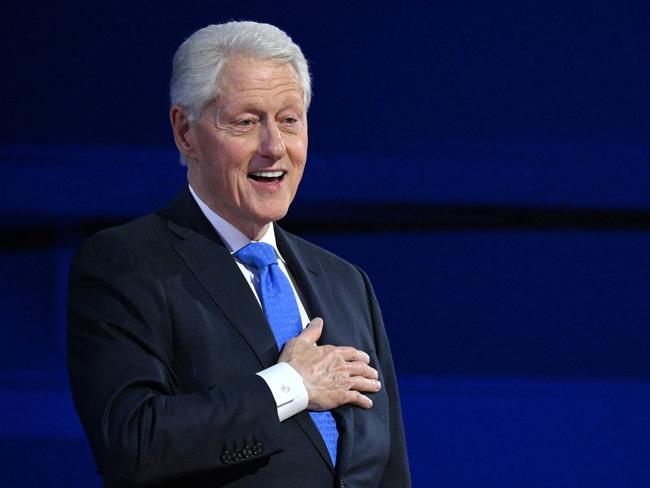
(285, 383)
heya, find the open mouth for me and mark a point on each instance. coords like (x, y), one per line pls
(267, 176)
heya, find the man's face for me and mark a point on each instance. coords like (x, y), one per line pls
(247, 151)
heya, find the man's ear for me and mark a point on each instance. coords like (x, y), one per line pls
(181, 128)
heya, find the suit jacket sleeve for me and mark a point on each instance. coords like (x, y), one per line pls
(120, 352)
(396, 473)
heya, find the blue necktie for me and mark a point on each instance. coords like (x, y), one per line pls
(282, 313)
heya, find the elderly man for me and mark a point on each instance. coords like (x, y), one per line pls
(193, 360)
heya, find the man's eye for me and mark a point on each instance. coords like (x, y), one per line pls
(292, 123)
(242, 126)
(245, 123)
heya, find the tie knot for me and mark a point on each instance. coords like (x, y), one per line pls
(257, 255)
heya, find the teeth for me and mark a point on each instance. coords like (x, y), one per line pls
(268, 174)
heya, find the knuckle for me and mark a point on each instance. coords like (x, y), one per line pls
(346, 353)
(340, 352)
(351, 396)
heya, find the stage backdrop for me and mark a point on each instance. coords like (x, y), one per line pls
(487, 165)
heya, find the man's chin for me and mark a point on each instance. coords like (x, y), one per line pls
(267, 211)
(255, 227)
(270, 217)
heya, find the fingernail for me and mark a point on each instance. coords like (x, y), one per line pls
(379, 384)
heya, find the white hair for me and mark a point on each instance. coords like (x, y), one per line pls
(201, 57)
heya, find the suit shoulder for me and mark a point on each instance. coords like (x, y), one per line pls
(134, 238)
(327, 258)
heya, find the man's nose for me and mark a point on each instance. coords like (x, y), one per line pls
(271, 142)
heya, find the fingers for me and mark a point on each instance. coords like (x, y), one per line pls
(352, 354)
(316, 321)
(350, 397)
(361, 384)
(359, 368)
(312, 332)
(333, 375)
(358, 399)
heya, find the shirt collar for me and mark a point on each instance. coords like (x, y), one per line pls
(232, 237)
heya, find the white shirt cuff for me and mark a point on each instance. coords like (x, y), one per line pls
(288, 390)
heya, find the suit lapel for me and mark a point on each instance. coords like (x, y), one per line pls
(205, 254)
(317, 292)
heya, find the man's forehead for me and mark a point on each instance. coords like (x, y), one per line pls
(242, 73)
(250, 81)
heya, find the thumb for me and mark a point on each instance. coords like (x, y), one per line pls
(313, 330)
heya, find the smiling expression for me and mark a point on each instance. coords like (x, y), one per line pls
(247, 150)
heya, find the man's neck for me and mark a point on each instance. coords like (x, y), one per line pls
(233, 235)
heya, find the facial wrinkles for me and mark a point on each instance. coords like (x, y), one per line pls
(250, 102)
(226, 120)
(270, 78)
(271, 82)
(263, 91)
(257, 122)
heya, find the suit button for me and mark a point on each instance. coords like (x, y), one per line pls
(226, 457)
(258, 448)
(247, 451)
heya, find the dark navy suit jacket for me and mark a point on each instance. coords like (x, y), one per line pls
(165, 338)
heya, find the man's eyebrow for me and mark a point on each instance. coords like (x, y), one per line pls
(290, 103)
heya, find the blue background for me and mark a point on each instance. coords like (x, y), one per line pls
(488, 164)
